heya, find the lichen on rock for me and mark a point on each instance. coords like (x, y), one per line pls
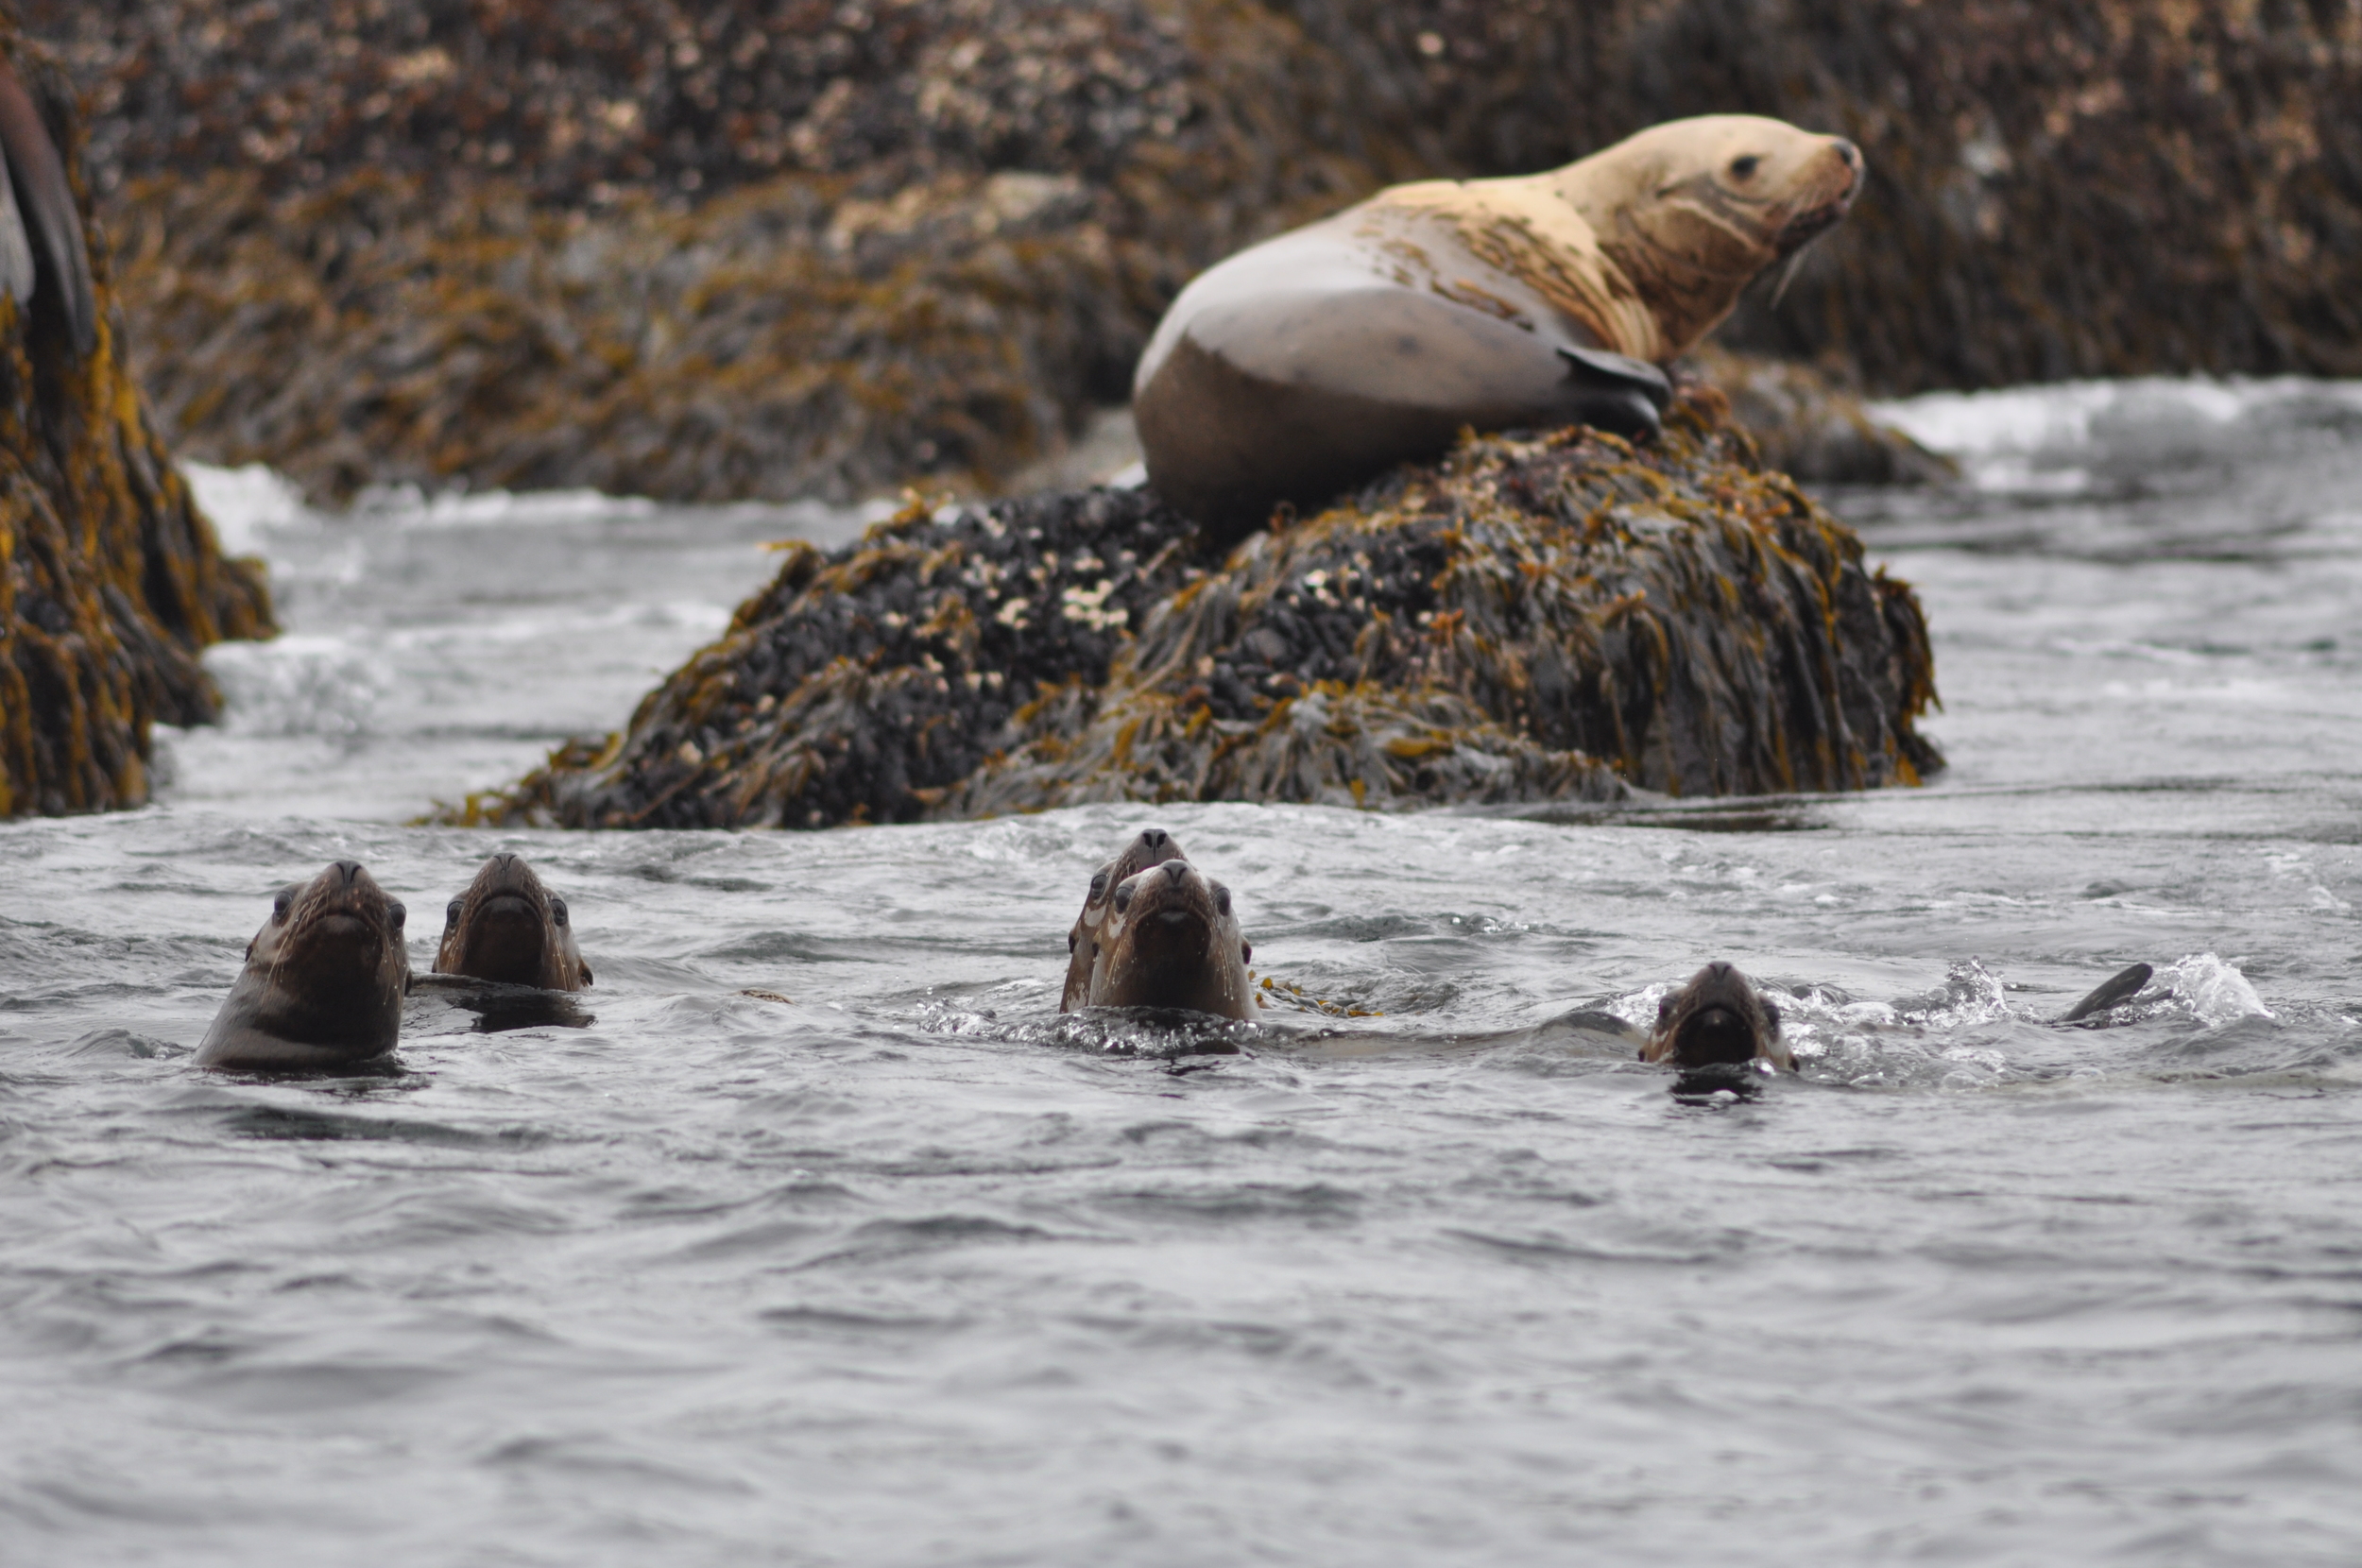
(112, 581)
(1538, 617)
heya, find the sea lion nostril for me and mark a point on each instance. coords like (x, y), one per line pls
(1175, 870)
(348, 870)
(1154, 837)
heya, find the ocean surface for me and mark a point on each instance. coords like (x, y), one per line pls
(908, 1271)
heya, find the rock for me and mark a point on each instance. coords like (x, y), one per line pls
(110, 579)
(482, 232)
(1536, 617)
(1809, 427)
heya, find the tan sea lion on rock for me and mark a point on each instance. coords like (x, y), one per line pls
(1148, 846)
(1171, 939)
(508, 927)
(1313, 362)
(1716, 1020)
(323, 981)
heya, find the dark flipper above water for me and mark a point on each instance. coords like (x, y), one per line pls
(2113, 993)
(42, 216)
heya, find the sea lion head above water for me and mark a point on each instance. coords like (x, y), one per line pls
(323, 981)
(1716, 1020)
(508, 927)
(1171, 939)
(1148, 846)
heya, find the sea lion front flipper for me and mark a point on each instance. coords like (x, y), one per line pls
(2113, 992)
(45, 204)
(1630, 395)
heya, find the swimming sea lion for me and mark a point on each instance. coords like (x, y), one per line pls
(1171, 939)
(508, 927)
(1150, 846)
(1313, 362)
(2112, 993)
(323, 981)
(1716, 1020)
(40, 229)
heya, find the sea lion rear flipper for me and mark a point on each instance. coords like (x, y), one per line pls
(2113, 992)
(44, 202)
(16, 250)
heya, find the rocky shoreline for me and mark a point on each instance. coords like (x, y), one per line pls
(621, 246)
(111, 582)
(1536, 617)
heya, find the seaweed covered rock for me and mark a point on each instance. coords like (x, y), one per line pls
(110, 579)
(1538, 618)
(1812, 428)
(481, 228)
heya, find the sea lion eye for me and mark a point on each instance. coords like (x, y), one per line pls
(1123, 898)
(1744, 168)
(1665, 1010)
(1770, 1015)
(1099, 888)
(1222, 898)
(279, 904)
(1072, 938)
(396, 913)
(450, 915)
(558, 910)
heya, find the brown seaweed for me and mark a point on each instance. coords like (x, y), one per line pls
(110, 579)
(1539, 617)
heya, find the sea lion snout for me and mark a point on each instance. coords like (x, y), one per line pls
(507, 927)
(1716, 1019)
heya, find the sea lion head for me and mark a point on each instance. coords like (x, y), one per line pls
(1716, 1020)
(1148, 846)
(507, 927)
(323, 978)
(1693, 210)
(1171, 939)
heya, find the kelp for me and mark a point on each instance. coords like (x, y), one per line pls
(112, 581)
(1539, 617)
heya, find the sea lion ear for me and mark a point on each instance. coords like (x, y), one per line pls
(586, 976)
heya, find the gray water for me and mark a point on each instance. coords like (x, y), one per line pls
(907, 1272)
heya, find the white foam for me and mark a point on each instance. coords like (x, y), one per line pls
(2215, 991)
(408, 506)
(245, 504)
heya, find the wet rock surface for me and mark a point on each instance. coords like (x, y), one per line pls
(110, 579)
(1538, 617)
(513, 243)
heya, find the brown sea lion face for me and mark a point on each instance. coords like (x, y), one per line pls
(1693, 210)
(1148, 846)
(1171, 939)
(323, 978)
(1716, 1020)
(508, 927)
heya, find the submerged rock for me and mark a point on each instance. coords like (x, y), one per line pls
(1810, 428)
(1536, 617)
(110, 579)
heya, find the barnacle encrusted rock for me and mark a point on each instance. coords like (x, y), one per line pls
(1538, 618)
(110, 579)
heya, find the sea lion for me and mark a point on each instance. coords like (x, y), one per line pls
(323, 981)
(1716, 1020)
(1148, 846)
(2111, 994)
(508, 927)
(1171, 939)
(1313, 362)
(41, 227)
